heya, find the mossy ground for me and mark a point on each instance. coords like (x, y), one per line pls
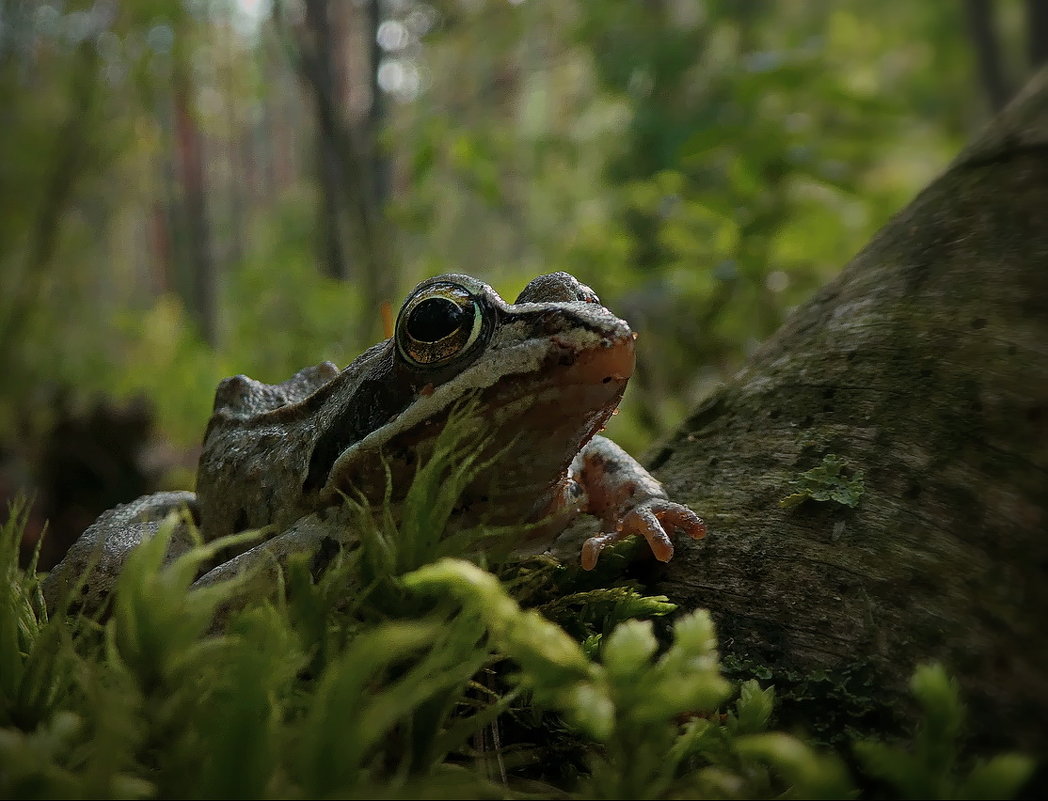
(413, 665)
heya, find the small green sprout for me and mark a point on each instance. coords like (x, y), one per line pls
(833, 480)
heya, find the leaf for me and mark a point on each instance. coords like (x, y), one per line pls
(753, 709)
(811, 775)
(629, 649)
(1000, 777)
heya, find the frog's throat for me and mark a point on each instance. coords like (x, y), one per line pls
(580, 357)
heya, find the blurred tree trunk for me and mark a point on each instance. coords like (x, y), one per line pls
(74, 148)
(329, 167)
(239, 182)
(1037, 31)
(200, 286)
(983, 30)
(167, 256)
(352, 179)
(982, 27)
(923, 365)
(376, 114)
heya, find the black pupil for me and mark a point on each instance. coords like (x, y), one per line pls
(435, 318)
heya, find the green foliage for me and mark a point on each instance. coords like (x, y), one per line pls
(833, 480)
(928, 767)
(384, 676)
(703, 165)
(810, 774)
(33, 671)
(435, 490)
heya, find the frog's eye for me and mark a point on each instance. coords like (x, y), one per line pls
(438, 323)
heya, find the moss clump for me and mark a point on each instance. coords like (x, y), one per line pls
(832, 480)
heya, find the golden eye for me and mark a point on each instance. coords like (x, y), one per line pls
(438, 323)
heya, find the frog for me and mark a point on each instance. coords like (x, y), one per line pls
(542, 376)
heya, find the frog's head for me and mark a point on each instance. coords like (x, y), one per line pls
(546, 372)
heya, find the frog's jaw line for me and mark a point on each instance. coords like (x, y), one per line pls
(612, 344)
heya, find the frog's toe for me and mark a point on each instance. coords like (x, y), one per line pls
(640, 521)
(652, 520)
(644, 521)
(592, 547)
(676, 516)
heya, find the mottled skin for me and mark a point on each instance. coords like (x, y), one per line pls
(544, 373)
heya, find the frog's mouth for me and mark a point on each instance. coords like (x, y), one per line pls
(540, 398)
(569, 400)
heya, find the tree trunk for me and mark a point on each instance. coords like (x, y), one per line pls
(75, 147)
(200, 297)
(355, 149)
(329, 161)
(1037, 31)
(924, 365)
(983, 30)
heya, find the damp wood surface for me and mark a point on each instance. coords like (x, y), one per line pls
(924, 365)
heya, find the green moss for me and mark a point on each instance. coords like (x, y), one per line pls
(831, 706)
(833, 480)
(405, 669)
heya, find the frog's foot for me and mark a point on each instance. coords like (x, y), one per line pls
(652, 519)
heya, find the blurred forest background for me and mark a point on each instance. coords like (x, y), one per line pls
(191, 189)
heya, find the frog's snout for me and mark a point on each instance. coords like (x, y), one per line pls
(609, 361)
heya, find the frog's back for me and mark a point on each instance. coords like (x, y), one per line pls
(261, 439)
(244, 398)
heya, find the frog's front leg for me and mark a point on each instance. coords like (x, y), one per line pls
(610, 484)
(95, 560)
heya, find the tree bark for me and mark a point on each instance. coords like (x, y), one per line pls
(924, 365)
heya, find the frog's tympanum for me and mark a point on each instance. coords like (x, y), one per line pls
(544, 374)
